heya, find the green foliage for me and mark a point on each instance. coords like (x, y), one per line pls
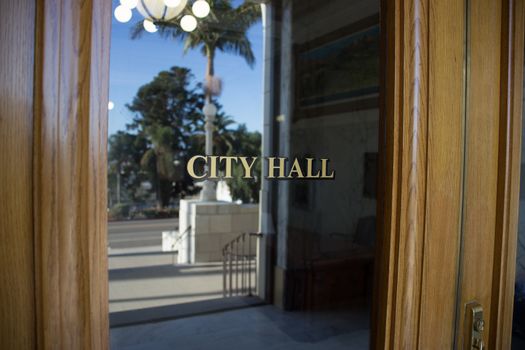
(124, 156)
(159, 103)
(165, 213)
(247, 144)
(170, 99)
(168, 116)
(119, 212)
(168, 126)
(159, 160)
(168, 129)
(224, 29)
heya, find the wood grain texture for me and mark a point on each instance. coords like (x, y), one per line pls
(412, 178)
(422, 112)
(17, 307)
(70, 181)
(451, 150)
(444, 173)
(381, 313)
(508, 174)
(481, 161)
(404, 113)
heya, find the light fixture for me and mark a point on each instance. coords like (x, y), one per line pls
(111, 105)
(159, 11)
(210, 110)
(149, 26)
(122, 14)
(172, 3)
(188, 23)
(201, 8)
(130, 4)
(162, 11)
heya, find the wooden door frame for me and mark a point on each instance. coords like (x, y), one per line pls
(69, 173)
(398, 316)
(71, 82)
(509, 164)
(17, 43)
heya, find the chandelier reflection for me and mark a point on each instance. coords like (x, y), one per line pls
(155, 11)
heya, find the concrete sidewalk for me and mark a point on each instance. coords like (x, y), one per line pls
(142, 276)
(143, 279)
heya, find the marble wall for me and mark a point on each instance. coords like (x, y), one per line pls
(206, 227)
(334, 208)
(311, 213)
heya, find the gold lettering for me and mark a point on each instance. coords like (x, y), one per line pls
(272, 167)
(190, 167)
(276, 167)
(324, 165)
(310, 169)
(296, 168)
(247, 167)
(213, 167)
(228, 168)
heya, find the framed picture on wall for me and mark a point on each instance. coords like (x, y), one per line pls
(338, 72)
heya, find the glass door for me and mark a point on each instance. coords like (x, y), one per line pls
(281, 211)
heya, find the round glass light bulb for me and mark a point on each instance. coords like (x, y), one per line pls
(122, 14)
(201, 8)
(188, 23)
(111, 105)
(172, 3)
(149, 26)
(161, 10)
(209, 110)
(130, 4)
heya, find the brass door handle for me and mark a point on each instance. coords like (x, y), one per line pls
(478, 344)
(474, 326)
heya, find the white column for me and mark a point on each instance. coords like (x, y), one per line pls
(266, 221)
(284, 130)
(209, 193)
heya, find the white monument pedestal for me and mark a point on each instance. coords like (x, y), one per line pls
(169, 241)
(206, 227)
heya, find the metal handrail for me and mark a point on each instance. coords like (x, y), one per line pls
(182, 235)
(239, 265)
(179, 237)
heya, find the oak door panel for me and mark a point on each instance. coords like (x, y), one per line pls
(481, 157)
(17, 306)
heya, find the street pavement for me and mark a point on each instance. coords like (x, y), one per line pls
(139, 233)
(142, 276)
